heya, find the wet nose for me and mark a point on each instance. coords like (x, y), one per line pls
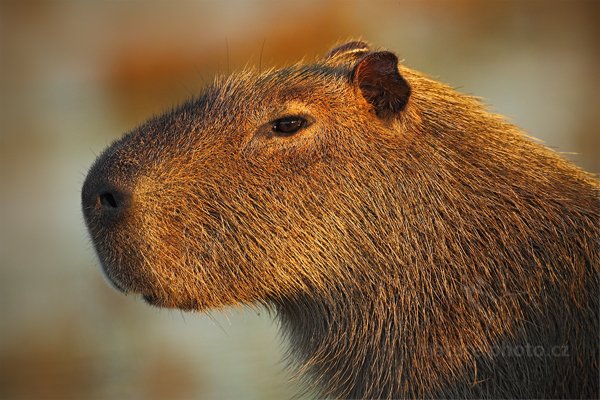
(104, 201)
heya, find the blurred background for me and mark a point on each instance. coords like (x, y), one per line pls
(76, 75)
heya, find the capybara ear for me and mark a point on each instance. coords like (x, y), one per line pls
(377, 77)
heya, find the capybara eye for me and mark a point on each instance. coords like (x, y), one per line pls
(287, 126)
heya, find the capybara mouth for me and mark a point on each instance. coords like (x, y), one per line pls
(117, 285)
(127, 279)
(131, 289)
(185, 304)
(110, 277)
(151, 299)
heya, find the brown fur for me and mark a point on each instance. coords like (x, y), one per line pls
(429, 251)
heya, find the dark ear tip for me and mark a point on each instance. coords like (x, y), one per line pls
(383, 55)
(387, 56)
(381, 61)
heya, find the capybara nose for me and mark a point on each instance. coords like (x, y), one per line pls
(111, 200)
(104, 202)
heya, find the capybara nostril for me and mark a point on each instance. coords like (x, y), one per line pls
(103, 201)
(111, 202)
(107, 200)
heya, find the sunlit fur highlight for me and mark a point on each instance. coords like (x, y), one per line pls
(400, 256)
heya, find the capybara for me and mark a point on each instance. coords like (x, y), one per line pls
(411, 243)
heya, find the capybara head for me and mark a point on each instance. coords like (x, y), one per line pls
(401, 232)
(263, 187)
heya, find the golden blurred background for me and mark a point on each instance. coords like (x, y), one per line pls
(75, 75)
